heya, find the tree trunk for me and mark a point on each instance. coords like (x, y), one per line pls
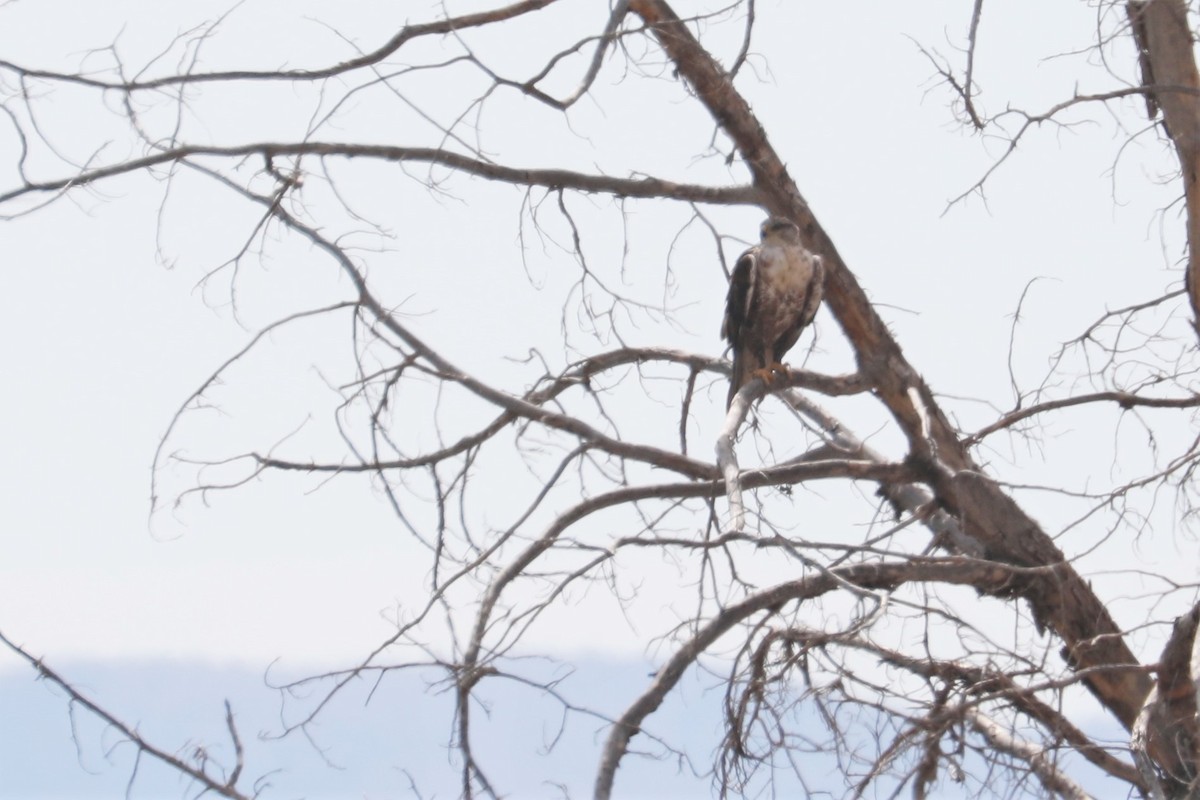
(1060, 599)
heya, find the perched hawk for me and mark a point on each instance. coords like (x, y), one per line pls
(773, 294)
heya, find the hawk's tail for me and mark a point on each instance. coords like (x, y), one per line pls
(736, 379)
(744, 365)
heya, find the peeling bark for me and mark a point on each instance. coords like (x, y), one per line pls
(1172, 84)
(1167, 729)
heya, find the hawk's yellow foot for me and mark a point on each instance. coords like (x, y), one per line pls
(770, 372)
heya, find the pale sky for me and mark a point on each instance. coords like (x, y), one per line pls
(103, 344)
(111, 323)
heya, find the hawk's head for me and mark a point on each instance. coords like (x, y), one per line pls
(777, 230)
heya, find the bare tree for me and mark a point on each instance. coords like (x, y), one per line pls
(948, 638)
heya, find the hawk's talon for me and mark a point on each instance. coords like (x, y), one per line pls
(769, 373)
(766, 375)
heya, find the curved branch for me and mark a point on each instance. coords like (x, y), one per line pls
(1166, 44)
(1168, 719)
(510, 403)
(1032, 121)
(405, 35)
(645, 187)
(995, 684)
(576, 374)
(1126, 400)
(198, 774)
(473, 670)
(990, 578)
(1051, 776)
(216, 376)
(1064, 603)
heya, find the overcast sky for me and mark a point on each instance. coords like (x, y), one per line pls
(104, 343)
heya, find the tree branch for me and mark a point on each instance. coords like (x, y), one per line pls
(547, 178)
(1166, 55)
(1064, 603)
(985, 577)
(406, 34)
(226, 788)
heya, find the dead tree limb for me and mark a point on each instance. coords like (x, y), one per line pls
(1061, 601)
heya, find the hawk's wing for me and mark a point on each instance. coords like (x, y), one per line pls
(740, 300)
(738, 324)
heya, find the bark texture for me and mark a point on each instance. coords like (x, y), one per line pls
(1060, 600)
(1172, 84)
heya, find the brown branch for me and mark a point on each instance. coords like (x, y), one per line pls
(548, 178)
(989, 578)
(1137, 29)
(448, 371)
(1063, 603)
(529, 86)
(1171, 711)
(214, 377)
(980, 685)
(833, 385)
(1165, 44)
(198, 774)
(405, 35)
(575, 375)
(783, 475)
(745, 49)
(473, 654)
(1034, 121)
(969, 77)
(1126, 400)
(989, 683)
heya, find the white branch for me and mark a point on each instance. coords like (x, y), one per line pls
(999, 737)
(1139, 739)
(727, 455)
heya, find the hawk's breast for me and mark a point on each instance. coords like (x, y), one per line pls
(784, 281)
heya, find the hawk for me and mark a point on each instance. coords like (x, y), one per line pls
(774, 293)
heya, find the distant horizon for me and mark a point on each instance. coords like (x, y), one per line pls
(403, 732)
(178, 705)
(356, 328)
